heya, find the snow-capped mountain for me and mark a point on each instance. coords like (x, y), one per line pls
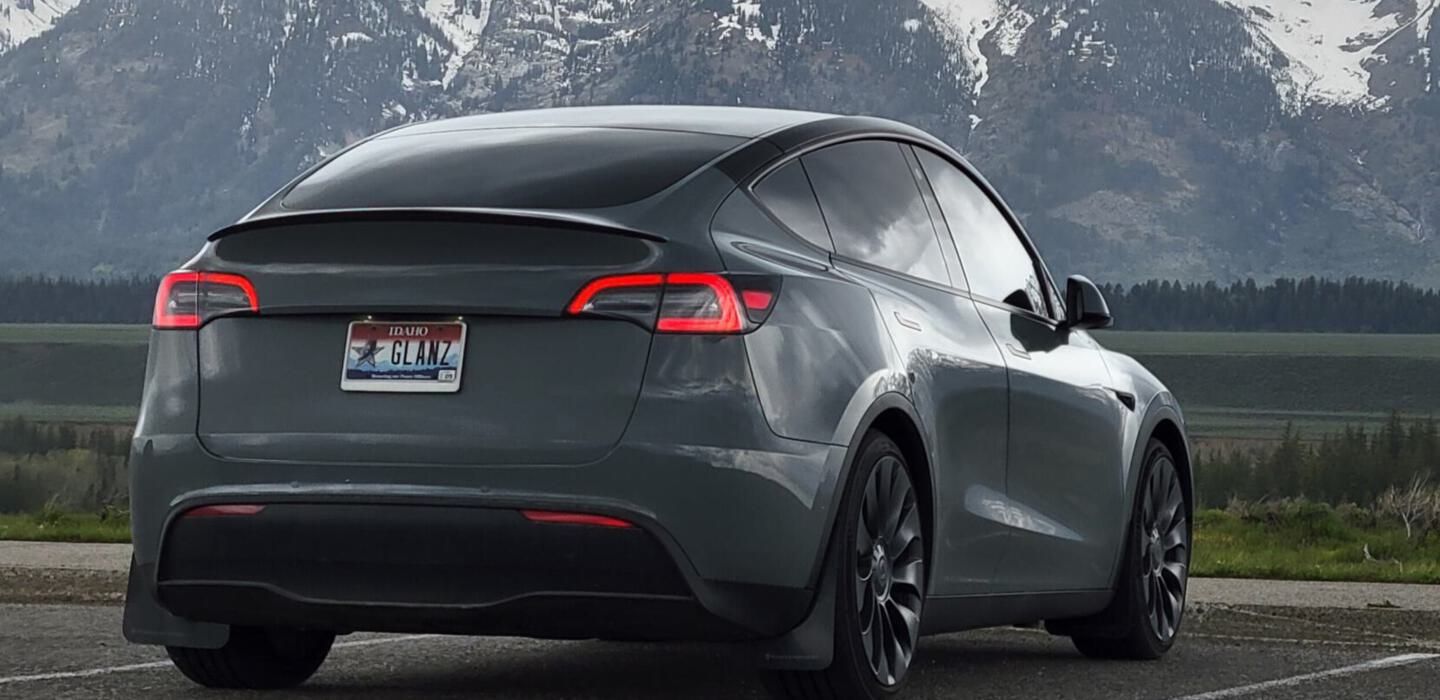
(1339, 52)
(1200, 139)
(23, 20)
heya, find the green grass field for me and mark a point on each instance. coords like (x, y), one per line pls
(1249, 385)
(1241, 386)
(1316, 548)
(72, 373)
(64, 527)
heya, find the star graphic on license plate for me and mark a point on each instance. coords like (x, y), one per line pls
(365, 354)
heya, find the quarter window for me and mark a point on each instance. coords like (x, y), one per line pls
(997, 264)
(787, 194)
(874, 209)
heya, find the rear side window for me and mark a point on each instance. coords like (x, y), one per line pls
(787, 194)
(874, 208)
(525, 168)
(997, 264)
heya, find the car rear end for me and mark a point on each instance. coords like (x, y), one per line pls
(499, 420)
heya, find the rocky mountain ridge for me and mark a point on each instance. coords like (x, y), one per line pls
(1213, 139)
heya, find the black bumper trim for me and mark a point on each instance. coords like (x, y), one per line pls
(346, 563)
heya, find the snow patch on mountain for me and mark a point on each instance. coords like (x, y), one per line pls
(745, 16)
(1330, 44)
(23, 20)
(969, 22)
(462, 22)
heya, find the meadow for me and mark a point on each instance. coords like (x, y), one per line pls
(1248, 386)
(72, 373)
(1234, 386)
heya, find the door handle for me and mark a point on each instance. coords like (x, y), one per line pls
(906, 322)
(1017, 351)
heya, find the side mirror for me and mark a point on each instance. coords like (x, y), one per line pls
(1085, 306)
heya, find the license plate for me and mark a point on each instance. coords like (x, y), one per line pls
(403, 357)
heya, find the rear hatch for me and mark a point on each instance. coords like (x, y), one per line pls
(536, 387)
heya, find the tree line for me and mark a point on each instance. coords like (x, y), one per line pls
(66, 300)
(1353, 305)
(1354, 465)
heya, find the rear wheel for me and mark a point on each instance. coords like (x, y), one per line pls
(880, 568)
(1144, 619)
(256, 659)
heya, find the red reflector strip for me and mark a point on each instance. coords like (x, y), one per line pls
(757, 299)
(552, 517)
(223, 510)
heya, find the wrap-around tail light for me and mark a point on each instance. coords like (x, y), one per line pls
(681, 302)
(187, 298)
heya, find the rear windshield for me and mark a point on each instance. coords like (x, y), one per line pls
(525, 168)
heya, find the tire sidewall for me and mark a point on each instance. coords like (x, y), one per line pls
(850, 655)
(1134, 571)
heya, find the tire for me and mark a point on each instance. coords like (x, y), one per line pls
(1143, 620)
(882, 589)
(255, 659)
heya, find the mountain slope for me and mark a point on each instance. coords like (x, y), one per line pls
(23, 20)
(1207, 139)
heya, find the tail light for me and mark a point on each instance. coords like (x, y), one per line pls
(187, 299)
(681, 302)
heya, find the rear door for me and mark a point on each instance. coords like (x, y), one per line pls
(1065, 480)
(535, 387)
(885, 239)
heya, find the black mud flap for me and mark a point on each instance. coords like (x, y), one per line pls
(146, 622)
(811, 645)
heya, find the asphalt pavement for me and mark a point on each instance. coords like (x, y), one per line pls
(1241, 639)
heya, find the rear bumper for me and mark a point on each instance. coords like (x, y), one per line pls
(733, 560)
(347, 562)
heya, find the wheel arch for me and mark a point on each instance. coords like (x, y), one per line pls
(894, 415)
(1163, 421)
(1168, 432)
(901, 428)
(810, 645)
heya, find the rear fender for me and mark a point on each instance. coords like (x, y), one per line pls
(811, 645)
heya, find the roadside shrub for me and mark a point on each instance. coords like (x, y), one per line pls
(1356, 516)
(1415, 505)
(1298, 518)
(112, 513)
(1212, 518)
(50, 514)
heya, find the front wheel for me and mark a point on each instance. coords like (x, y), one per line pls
(880, 569)
(1143, 620)
(256, 659)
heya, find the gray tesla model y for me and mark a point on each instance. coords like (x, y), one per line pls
(787, 379)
